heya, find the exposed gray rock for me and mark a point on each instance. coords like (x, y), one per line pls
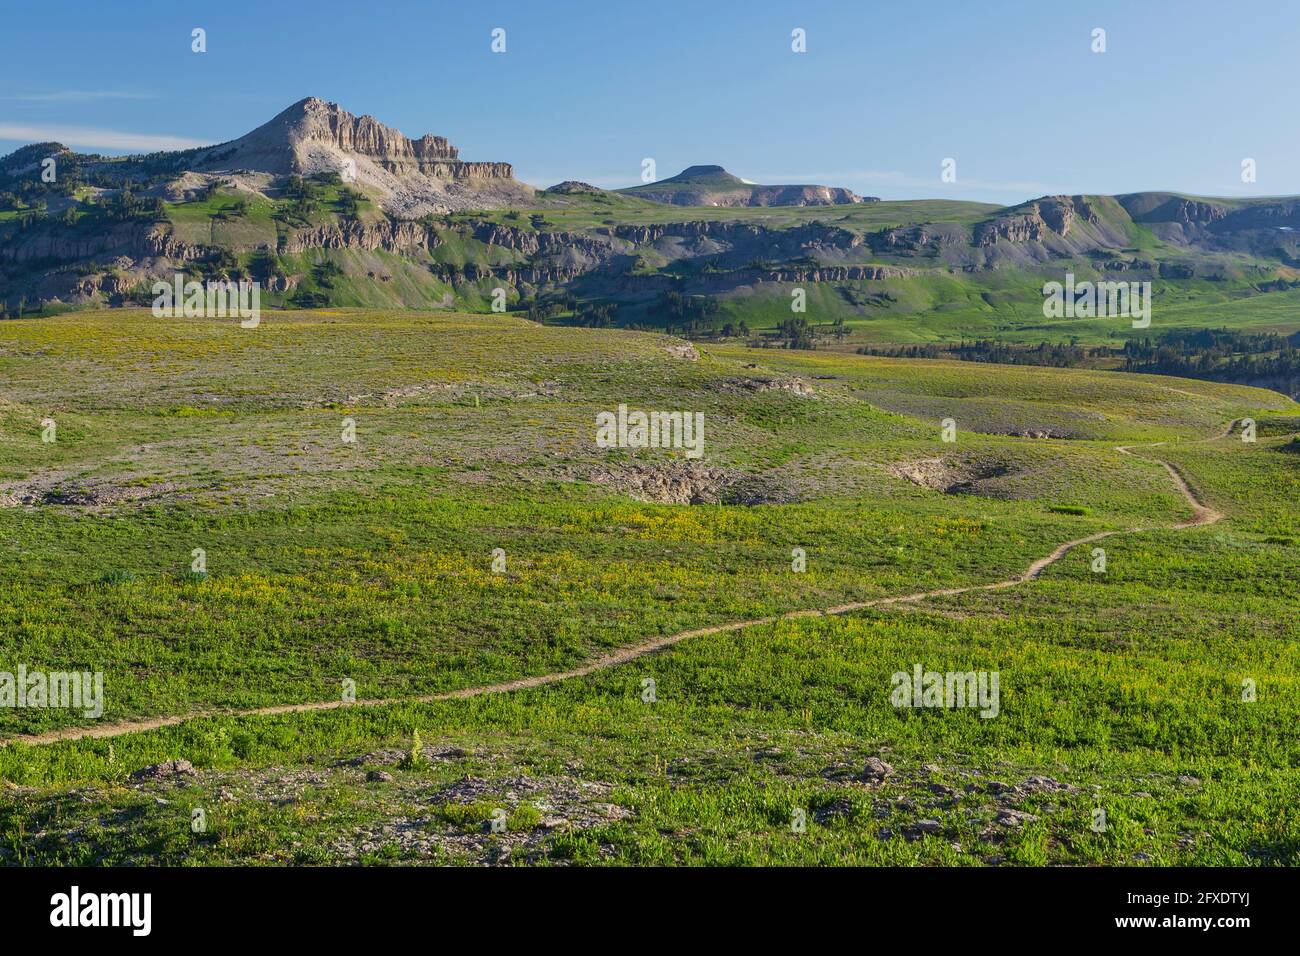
(876, 770)
(691, 483)
(1014, 818)
(161, 771)
(921, 828)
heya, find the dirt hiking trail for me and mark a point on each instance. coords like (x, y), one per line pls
(1202, 514)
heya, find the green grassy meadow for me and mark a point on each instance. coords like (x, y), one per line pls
(372, 560)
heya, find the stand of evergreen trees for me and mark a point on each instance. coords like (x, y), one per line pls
(1219, 355)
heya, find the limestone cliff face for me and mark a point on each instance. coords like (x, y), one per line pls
(397, 237)
(327, 123)
(810, 234)
(836, 273)
(50, 245)
(1026, 228)
(1036, 220)
(595, 247)
(714, 186)
(757, 196)
(463, 170)
(803, 196)
(1187, 212)
(512, 275)
(313, 131)
(1275, 214)
(409, 178)
(910, 239)
(536, 275)
(129, 239)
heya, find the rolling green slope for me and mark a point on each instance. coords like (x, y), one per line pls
(372, 560)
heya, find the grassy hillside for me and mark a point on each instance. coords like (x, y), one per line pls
(373, 560)
(948, 308)
(872, 274)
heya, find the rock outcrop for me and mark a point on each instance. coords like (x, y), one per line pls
(288, 143)
(691, 483)
(714, 186)
(1036, 220)
(572, 187)
(388, 235)
(130, 239)
(410, 177)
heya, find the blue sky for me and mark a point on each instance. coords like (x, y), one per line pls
(585, 90)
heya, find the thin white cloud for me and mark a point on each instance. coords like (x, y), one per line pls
(78, 96)
(87, 138)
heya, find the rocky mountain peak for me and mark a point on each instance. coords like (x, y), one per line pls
(315, 120)
(712, 185)
(409, 176)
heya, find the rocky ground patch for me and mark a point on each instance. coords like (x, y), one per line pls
(86, 494)
(766, 383)
(692, 483)
(498, 821)
(954, 475)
